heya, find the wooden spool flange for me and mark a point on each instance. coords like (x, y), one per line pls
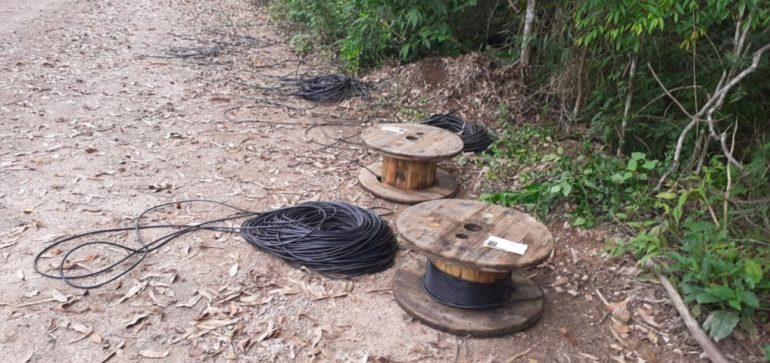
(452, 234)
(408, 172)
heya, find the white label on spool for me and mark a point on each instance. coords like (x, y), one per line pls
(398, 130)
(503, 244)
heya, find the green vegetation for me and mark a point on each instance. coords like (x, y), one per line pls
(671, 100)
(365, 32)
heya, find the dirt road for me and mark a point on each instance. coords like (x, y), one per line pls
(110, 107)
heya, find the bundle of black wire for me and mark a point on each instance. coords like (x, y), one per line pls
(371, 249)
(329, 237)
(475, 137)
(329, 88)
(449, 290)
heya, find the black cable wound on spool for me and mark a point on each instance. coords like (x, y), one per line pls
(452, 291)
(475, 137)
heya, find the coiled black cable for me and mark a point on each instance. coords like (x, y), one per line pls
(475, 137)
(449, 290)
(329, 237)
(329, 88)
(115, 268)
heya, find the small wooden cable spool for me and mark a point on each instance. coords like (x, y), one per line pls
(453, 233)
(409, 172)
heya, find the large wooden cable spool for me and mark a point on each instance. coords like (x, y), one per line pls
(409, 172)
(452, 234)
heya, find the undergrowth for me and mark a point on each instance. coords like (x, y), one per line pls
(363, 33)
(714, 245)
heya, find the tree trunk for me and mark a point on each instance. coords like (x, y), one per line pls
(627, 109)
(529, 20)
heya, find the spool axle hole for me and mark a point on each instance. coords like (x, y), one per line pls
(473, 227)
(412, 137)
(461, 236)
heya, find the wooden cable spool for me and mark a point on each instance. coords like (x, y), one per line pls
(452, 234)
(409, 172)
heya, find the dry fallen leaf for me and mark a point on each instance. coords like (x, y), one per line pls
(78, 327)
(137, 288)
(96, 338)
(647, 318)
(620, 311)
(214, 323)
(234, 269)
(189, 303)
(317, 336)
(244, 343)
(620, 327)
(58, 296)
(153, 354)
(514, 357)
(267, 333)
(560, 280)
(133, 319)
(591, 357)
(286, 291)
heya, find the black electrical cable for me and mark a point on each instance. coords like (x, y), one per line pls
(475, 137)
(329, 88)
(449, 290)
(136, 254)
(329, 237)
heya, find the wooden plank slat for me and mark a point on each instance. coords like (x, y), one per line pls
(412, 141)
(454, 230)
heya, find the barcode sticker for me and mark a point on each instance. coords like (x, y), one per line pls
(503, 244)
(398, 130)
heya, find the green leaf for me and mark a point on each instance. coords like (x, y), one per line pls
(722, 292)
(766, 350)
(638, 156)
(707, 298)
(579, 221)
(666, 195)
(721, 323)
(750, 298)
(632, 165)
(752, 272)
(650, 164)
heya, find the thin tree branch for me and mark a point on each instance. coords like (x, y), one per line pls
(697, 333)
(668, 93)
(713, 104)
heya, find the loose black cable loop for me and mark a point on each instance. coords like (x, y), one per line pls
(452, 291)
